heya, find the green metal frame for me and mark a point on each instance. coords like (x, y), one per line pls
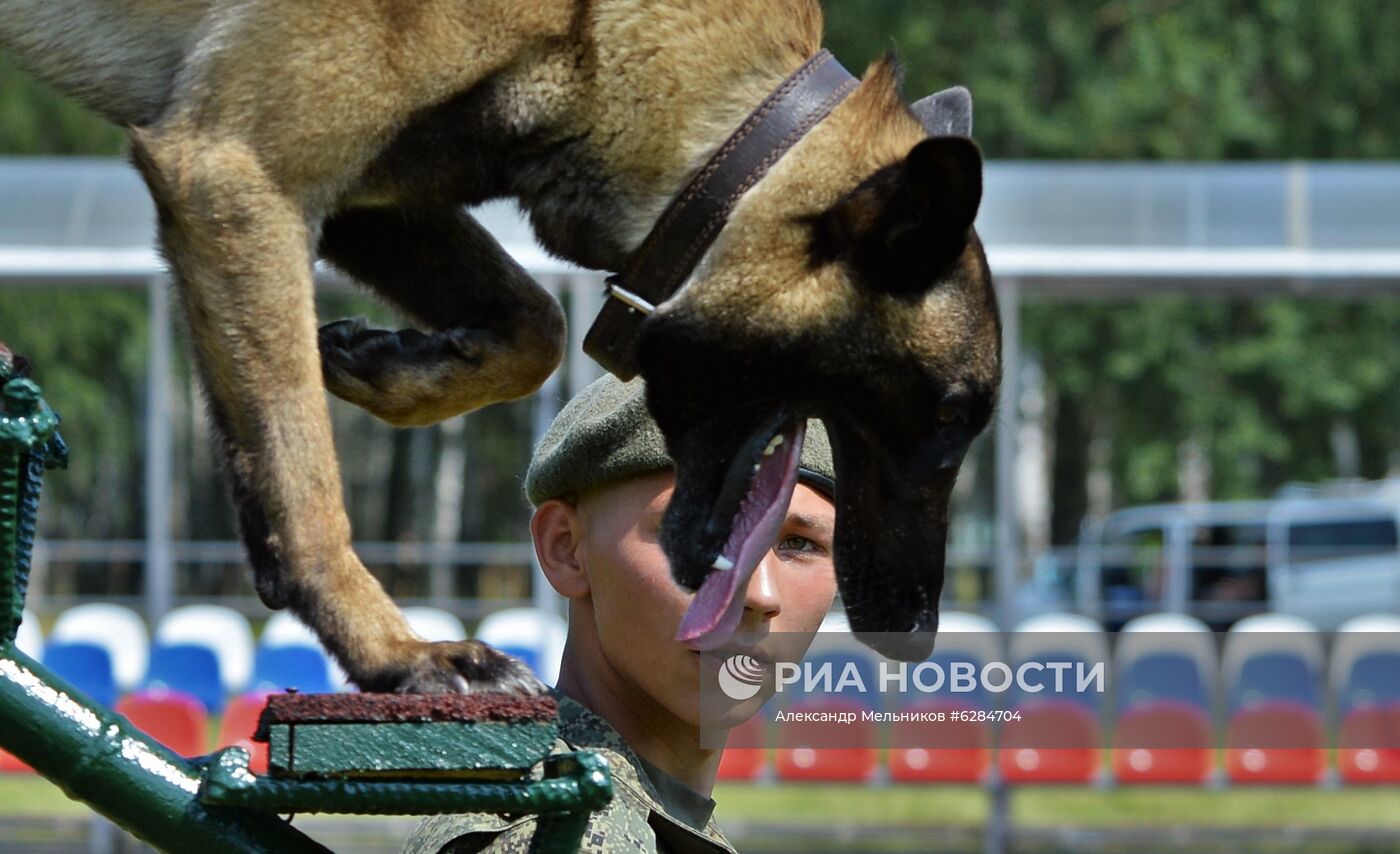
(98, 757)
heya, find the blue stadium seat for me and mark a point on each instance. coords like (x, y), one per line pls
(529, 655)
(1088, 699)
(189, 668)
(977, 698)
(1159, 676)
(88, 666)
(277, 668)
(1374, 681)
(840, 661)
(1273, 677)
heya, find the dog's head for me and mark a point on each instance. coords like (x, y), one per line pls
(849, 286)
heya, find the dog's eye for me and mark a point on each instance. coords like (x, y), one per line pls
(950, 411)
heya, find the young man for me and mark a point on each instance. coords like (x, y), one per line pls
(600, 481)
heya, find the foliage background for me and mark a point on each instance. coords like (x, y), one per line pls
(1263, 392)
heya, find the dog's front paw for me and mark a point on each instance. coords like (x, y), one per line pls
(465, 667)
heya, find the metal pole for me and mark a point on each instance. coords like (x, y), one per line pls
(99, 758)
(1008, 555)
(160, 570)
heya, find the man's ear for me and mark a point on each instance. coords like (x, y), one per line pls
(555, 529)
(906, 224)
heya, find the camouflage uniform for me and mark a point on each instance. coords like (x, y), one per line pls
(645, 813)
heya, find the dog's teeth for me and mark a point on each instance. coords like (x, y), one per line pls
(773, 445)
(723, 563)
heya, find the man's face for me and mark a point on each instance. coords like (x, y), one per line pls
(636, 607)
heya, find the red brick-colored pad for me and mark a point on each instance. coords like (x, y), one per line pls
(401, 708)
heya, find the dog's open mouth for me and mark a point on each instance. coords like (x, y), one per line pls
(751, 507)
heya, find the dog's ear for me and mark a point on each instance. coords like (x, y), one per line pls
(907, 223)
(946, 113)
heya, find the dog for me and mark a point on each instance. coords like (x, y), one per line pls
(847, 284)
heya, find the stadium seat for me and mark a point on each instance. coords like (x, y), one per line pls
(30, 639)
(1357, 638)
(222, 630)
(1263, 634)
(1163, 741)
(1275, 742)
(1166, 632)
(190, 669)
(87, 666)
(114, 628)
(1366, 675)
(533, 635)
(10, 764)
(1055, 741)
(434, 624)
(1061, 637)
(948, 751)
(1374, 680)
(845, 663)
(1368, 745)
(284, 629)
(1159, 676)
(175, 719)
(239, 723)
(969, 635)
(1064, 688)
(1275, 676)
(745, 755)
(803, 751)
(279, 668)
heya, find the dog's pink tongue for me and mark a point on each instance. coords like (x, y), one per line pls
(719, 603)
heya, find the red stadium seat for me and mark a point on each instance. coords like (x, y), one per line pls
(9, 764)
(802, 753)
(176, 720)
(239, 723)
(1368, 745)
(745, 754)
(1275, 742)
(1163, 742)
(1053, 742)
(951, 751)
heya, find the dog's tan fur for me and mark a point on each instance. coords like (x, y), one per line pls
(268, 132)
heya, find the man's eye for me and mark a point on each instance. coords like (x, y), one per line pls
(799, 544)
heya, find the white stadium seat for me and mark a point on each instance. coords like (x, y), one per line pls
(117, 629)
(222, 630)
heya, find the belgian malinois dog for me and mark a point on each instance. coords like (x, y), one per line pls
(846, 283)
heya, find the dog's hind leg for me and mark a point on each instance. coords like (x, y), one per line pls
(240, 248)
(493, 333)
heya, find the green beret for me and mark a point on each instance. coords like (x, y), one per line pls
(606, 433)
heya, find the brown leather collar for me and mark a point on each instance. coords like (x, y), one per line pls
(694, 219)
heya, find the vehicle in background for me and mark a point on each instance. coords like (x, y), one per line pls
(1324, 554)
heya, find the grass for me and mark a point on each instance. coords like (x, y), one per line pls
(953, 806)
(960, 806)
(28, 795)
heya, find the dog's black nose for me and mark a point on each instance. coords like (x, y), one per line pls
(900, 646)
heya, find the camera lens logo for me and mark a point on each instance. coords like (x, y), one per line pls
(741, 677)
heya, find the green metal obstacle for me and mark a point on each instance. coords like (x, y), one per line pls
(364, 754)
